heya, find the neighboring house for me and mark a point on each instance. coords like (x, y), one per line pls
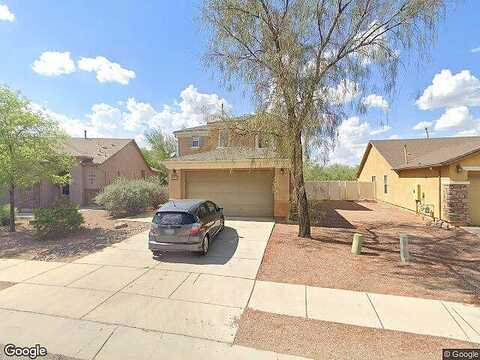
(239, 172)
(439, 176)
(98, 162)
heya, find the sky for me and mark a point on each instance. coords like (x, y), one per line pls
(121, 68)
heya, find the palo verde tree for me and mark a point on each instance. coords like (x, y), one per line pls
(304, 59)
(161, 148)
(30, 147)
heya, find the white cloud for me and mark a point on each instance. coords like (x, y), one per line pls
(106, 70)
(72, 126)
(352, 141)
(138, 114)
(422, 125)
(104, 117)
(192, 110)
(344, 92)
(353, 137)
(448, 90)
(375, 101)
(54, 63)
(394, 137)
(475, 50)
(458, 118)
(6, 14)
(131, 118)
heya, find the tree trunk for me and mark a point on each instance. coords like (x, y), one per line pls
(12, 208)
(299, 184)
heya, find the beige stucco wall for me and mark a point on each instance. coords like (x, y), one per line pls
(185, 148)
(210, 142)
(402, 185)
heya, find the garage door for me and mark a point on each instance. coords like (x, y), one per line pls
(474, 198)
(239, 192)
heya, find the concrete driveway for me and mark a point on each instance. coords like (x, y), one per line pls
(123, 303)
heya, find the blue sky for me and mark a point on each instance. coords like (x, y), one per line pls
(118, 68)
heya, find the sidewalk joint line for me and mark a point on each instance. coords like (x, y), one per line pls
(104, 343)
(461, 317)
(114, 293)
(85, 275)
(376, 313)
(183, 281)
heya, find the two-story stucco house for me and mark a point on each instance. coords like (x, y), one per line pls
(241, 173)
(436, 176)
(98, 162)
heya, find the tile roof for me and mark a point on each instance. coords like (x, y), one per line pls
(230, 153)
(425, 152)
(97, 149)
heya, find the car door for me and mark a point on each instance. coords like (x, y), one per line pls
(206, 218)
(212, 209)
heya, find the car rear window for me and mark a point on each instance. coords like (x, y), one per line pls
(173, 218)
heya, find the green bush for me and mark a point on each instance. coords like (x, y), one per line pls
(130, 197)
(63, 217)
(4, 215)
(158, 193)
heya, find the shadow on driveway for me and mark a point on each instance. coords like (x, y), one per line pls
(222, 249)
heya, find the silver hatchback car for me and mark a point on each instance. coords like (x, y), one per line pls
(185, 225)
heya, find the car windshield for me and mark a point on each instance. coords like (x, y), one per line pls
(173, 218)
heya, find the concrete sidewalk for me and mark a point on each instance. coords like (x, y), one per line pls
(414, 315)
(121, 303)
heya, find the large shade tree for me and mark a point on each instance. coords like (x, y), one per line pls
(303, 60)
(30, 147)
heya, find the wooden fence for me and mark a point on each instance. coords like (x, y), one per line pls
(340, 190)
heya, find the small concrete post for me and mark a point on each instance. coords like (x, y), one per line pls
(404, 254)
(357, 244)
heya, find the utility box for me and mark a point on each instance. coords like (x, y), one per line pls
(417, 193)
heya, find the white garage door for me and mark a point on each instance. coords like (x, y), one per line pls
(239, 192)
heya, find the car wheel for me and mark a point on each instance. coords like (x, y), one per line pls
(156, 253)
(205, 245)
(222, 227)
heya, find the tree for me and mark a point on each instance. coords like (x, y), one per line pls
(161, 148)
(303, 60)
(330, 172)
(30, 147)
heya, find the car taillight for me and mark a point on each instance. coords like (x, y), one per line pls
(195, 230)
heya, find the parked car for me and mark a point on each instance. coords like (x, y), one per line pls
(185, 225)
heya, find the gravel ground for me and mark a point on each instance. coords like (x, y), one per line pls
(327, 340)
(445, 263)
(97, 233)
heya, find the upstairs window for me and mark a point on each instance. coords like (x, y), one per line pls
(374, 179)
(260, 142)
(223, 138)
(91, 176)
(385, 184)
(195, 142)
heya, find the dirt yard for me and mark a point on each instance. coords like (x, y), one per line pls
(445, 263)
(97, 233)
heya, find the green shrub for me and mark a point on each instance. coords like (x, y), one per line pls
(4, 215)
(130, 197)
(158, 193)
(63, 217)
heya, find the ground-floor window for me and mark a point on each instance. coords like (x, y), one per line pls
(385, 184)
(66, 190)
